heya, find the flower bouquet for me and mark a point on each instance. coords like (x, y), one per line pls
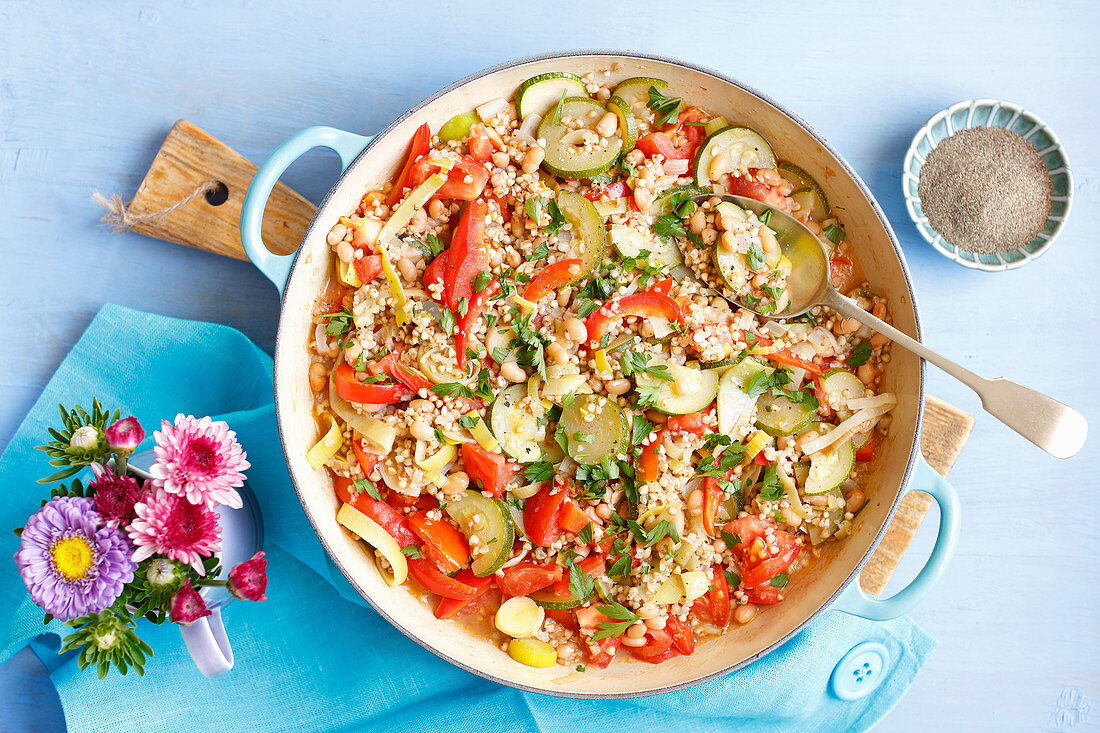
(129, 546)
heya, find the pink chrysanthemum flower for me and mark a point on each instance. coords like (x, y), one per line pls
(201, 460)
(115, 496)
(170, 525)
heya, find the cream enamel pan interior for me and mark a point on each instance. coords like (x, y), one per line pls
(810, 591)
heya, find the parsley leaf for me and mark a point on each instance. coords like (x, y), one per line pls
(640, 429)
(365, 484)
(482, 280)
(860, 354)
(587, 308)
(339, 323)
(669, 225)
(557, 218)
(538, 471)
(755, 257)
(452, 388)
(771, 489)
(732, 578)
(662, 529)
(623, 616)
(765, 218)
(667, 108)
(447, 320)
(540, 252)
(411, 551)
(581, 584)
(835, 234)
(730, 539)
(468, 422)
(779, 581)
(585, 534)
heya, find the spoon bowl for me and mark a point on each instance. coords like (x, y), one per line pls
(1056, 428)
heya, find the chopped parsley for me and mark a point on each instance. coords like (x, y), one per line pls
(667, 108)
(732, 578)
(447, 320)
(623, 618)
(860, 354)
(779, 581)
(366, 485)
(538, 471)
(540, 252)
(730, 539)
(411, 551)
(482, 280)
(455, 389)
(755, 257)
(835, 234)
(581, 584)
(468, 422)
(587, 308)
(771, 489)
(585, 534)
(669, 225)
(637, 362)
(765, 218)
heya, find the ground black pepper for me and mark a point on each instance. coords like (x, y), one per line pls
(985, 190)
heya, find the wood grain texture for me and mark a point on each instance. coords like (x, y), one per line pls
(191, 156)
(943, 435)
(88, 92)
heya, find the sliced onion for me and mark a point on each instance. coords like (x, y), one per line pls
(323, 345)
(526, 491)
(370, 532)
(862, 421)
(660, 326)
(519, 617)
(379, 434)
(823, 341)
(860, 403)
(677, 166)
(492, 108)
(528, 129)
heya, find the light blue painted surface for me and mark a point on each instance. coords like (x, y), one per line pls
(87, 92)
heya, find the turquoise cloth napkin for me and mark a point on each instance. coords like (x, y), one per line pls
(313, 657)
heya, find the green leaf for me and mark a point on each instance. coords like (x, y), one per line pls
(860, 354)
(623, 618)
(779, 581)
(834, 233)
(452, 388)
(667, 108)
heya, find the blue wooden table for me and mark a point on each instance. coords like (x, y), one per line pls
(88, 91)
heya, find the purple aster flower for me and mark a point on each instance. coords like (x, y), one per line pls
(71, 565)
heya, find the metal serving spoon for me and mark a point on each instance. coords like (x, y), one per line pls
(1054, 427)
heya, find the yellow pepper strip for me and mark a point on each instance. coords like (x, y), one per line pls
(439, 459)
(345, 272)
(372, 533)
(523, 302)
(602, 364)
(482, 434)
(326, 447)
(398, 221)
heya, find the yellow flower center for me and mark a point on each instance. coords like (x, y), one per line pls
(72, 557)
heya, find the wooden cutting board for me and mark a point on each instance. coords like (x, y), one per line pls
(190, 159)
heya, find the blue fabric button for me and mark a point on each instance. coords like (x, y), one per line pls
(861, 671)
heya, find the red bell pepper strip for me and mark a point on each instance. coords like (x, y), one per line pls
(692, 422)
(352, 390)
(466, 323)
(443, 544)
(525, 578)
(683, 636)
(450, 607)
(367, 459)
(785, 357)
(421, 141)
(456, 186)
(867, 452)
(649, 461)
(715, 605)
(487, 470)
(639, 304)
(712, 498)
(368, 267)
(466, 256)
(390, 364)
(434, 274)
(381, 513)
(429, 576)
(550, 278)
(542, 515)
(663, 287)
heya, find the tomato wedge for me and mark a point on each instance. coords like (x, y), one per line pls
(467, 322)
(658, 143)
(763, 594)
(712, 498)
(751, 188)
(715, 605)
(479, 144)
(759, 564)
(573, 518)
(380, 512)
(428, 575)
(366, 459)
(352, 390)
(593, 566)
(867, 452)
(692, 422)
(487, 470)
(550, 278)
(657, 649)
(683, 636)
(444, 545)
(542, 515)
(451, 607)
(456, 186)
(421, 141)
(368, 267)
(603, 651)
(616, 190)
(640, 304)
(525, 578)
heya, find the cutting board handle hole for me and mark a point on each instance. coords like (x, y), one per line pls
(218, 195)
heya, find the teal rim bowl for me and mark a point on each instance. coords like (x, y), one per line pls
(990, 113)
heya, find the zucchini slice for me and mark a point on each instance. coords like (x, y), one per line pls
(550, 598)
(839, 386)
(596, 428)
(745, 148)
(635, 92)
(779, 416)
(490, 520)
(631, 242)
(808, 200)
(701, 387)
(541, 94)
(589, 243)
(834, 517)
(515, 427)
(569, 152)
(829, 469)
(628, 123)
(735, 406)
(799, 178)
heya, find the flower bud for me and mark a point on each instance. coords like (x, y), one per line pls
(187, 605)
(163, 573)
(248, 580)
(125, 435)
(85, 438)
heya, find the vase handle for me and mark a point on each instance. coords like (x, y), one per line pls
(208, 645)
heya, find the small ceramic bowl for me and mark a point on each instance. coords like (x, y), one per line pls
(990, 113)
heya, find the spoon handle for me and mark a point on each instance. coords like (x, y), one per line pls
(1056, 428)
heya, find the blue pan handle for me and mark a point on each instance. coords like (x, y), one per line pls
(277, 267)
(858, 603)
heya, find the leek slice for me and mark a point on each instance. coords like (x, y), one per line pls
(756, 444)
(370, 532)
(519, 617)
(523, 302)
(532, 652)
(601, 361)
(326, 447)
(345, 272)
(447, 454)
(398, 221)
(379, 434)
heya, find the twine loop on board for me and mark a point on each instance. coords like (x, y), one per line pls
(120, 219)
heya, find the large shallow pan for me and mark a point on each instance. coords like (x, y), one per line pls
(831, 582)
